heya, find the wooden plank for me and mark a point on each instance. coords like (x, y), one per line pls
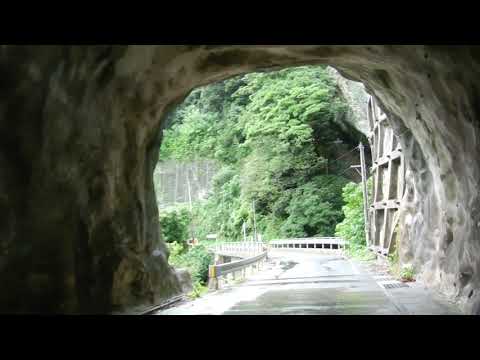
(384, 160)
(401, 179)
(383, 232)
(387, 204)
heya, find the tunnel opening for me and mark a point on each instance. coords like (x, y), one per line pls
(214, 181)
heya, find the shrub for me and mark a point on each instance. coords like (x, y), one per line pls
(174, 226)
(196, 261)
(407, 273)
(352, 228)
(315, 208)
(175, 249)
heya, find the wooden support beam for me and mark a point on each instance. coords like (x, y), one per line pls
(386, 204)
(388, 171)
(384, 160)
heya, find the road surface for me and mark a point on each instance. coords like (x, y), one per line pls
(302, 283)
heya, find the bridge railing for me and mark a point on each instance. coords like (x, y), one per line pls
(242, 249)
(323, 243)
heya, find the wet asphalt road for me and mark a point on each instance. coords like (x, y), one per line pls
(300, 283)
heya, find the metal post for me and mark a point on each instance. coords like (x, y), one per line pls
(365, 192)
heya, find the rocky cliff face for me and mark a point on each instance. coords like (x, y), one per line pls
(357, 99)
(80, 129)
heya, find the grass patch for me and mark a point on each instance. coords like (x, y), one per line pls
(405, 273)
(198, 291)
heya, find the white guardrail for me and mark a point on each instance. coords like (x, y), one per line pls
(251, 255)
(324, 243)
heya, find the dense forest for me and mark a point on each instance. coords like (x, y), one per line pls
(275, 137)
(282, 149)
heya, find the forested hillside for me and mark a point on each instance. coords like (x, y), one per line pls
(275, 138)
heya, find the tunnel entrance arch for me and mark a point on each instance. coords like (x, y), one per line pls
(81, 125)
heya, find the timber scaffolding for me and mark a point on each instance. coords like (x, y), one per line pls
(388, 172)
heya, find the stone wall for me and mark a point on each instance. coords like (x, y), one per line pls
(80, 129)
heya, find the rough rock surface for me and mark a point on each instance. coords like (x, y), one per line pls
(80, 129)
(185, 281)
(357, 99)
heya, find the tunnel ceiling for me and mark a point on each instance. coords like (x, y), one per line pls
(80, 129)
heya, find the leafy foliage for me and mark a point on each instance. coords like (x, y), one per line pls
(174, 226)
(404, 272)
(314, 208)
(407, 273)
(272, 134)
(196, 260)
(352, 228)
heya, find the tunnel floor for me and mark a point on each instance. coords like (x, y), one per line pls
(300, 283)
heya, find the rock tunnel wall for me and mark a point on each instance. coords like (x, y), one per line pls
(80, 130)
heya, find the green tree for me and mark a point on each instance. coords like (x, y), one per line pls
(352, 228)
(272, 135)
(315, 208)
(174, 226)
